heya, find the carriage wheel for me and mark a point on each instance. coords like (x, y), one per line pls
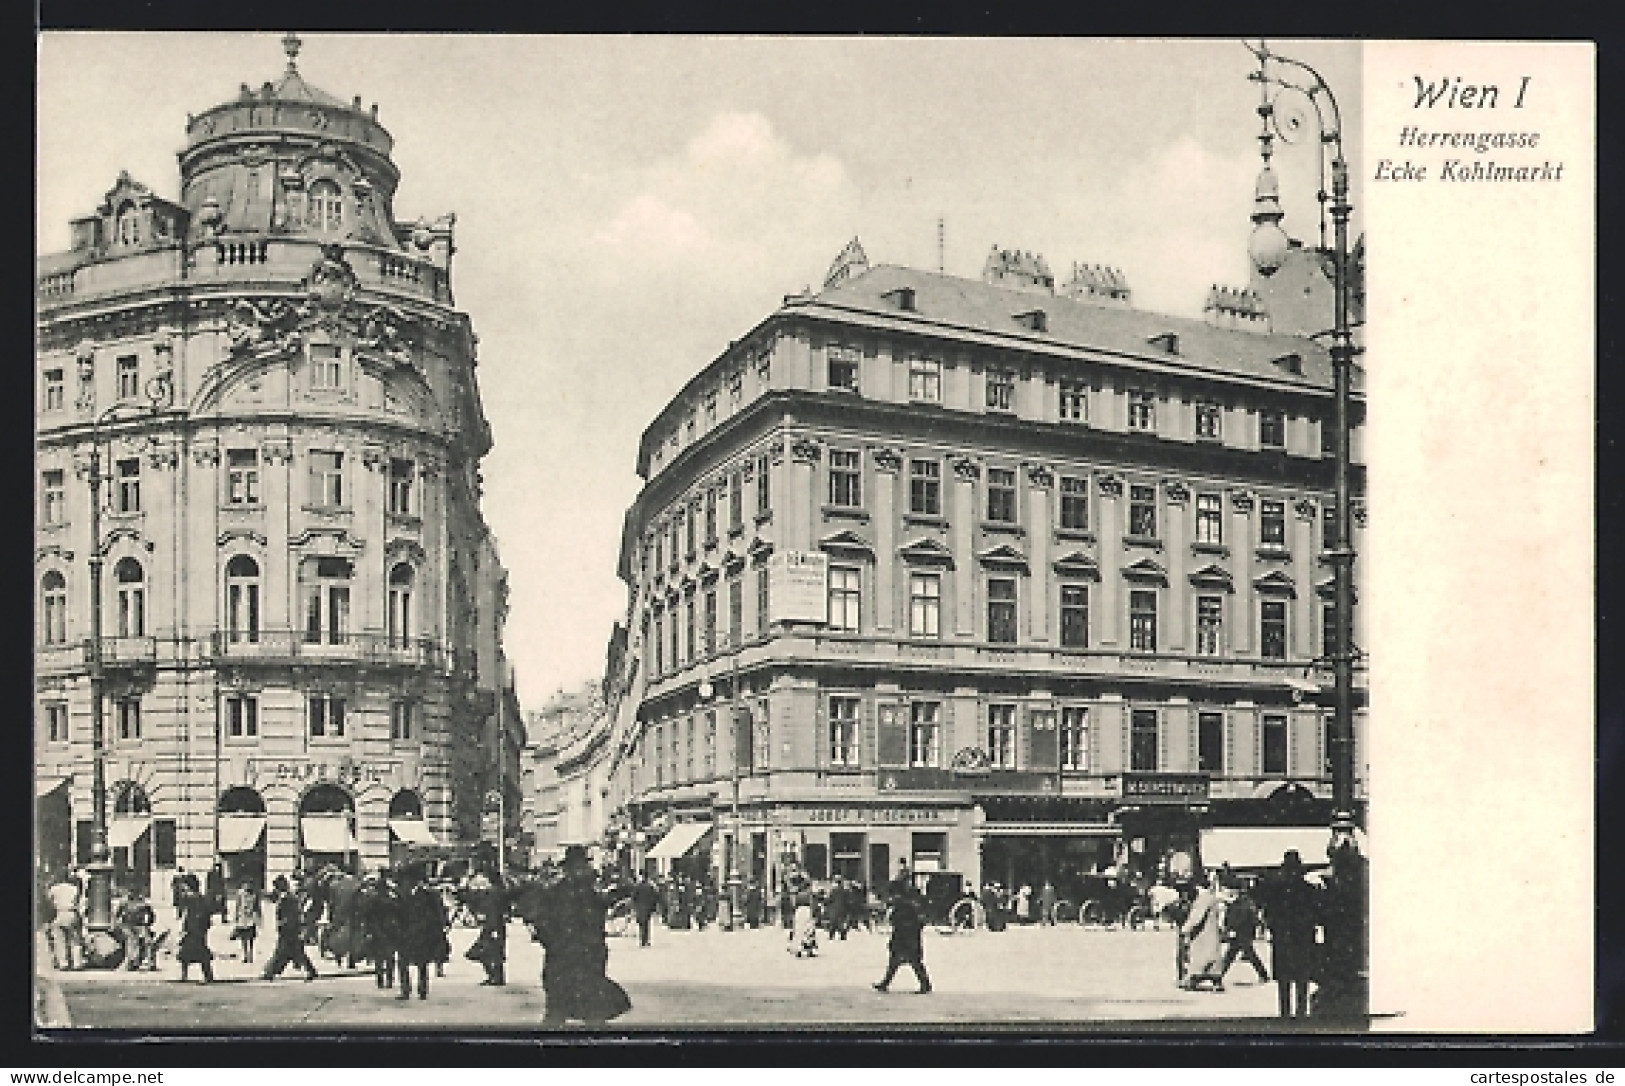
(962, 917)
(619, 920)
(1063, 912)
(1093, 914)
(1135, 918)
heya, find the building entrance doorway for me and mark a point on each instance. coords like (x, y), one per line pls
(242, 837)
(327, 829)
(129, 837)
(1015, 861)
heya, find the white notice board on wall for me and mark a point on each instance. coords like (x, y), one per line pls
(798, 586)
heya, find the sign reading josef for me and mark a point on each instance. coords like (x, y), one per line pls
(797, 586)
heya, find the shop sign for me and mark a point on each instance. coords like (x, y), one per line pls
(868, 815)
(798, 589)
(1177, 788)
(347, 771)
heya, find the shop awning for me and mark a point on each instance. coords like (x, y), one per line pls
(44, 786)
(241, 833)
(678, 841)
(124, 832)
(414, 831)
(326, 833)
(1263, 846)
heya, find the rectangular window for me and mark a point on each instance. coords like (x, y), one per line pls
(924, 734)
(1272, 429)
(129, 486)
(402, 474)
(1328, 437)
(129, 718)
(736, 386)
(55, 390)
(843, 732)
(845, 480)
(925, 487)
(1074, 503)
(129, 377)
(1001, 495)
(1142, 620)
(925, 380)
(1001, 390)
(242, 477)
(1001, 610)
(56, 722)
(843, 368)
(163, 842)
(1210, 742)
(1209, 625)
(676, 639)
(763, 491)
(688, 628)
(657, 640)
(326, 716)
(1207, 421)
(764, 367)
(1074, 616)
(710, 644)
(710, 769)
(736, 610)
(326, 367)
(1001, 736)
(736, 500)
(1209, 519)
(845, 596)
(1142, 511)
(1074, 402)
(401, 724)
(1275, 746)
(1272, 629)
(53, 497)
(761, 600)
(691, 526)
(924, 604)
(676, 538)
(1142, 410)
(1328, 631)
(242, 716)
(711, 407)
(1272, 523)
(1075, 738)
(327, 478)
(711, 517)
(1143, 741)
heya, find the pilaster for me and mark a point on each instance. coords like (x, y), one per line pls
(960, 536)
(1241, 550)
(1109, 525)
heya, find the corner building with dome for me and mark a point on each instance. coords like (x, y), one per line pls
(1004, 579)
(302, 604)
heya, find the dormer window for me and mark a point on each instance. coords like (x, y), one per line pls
(326, 207)
(902, 298)
(129, 225)
(1291, 363)
(1166, 341)
(843, 368)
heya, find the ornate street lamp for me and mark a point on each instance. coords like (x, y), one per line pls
(99, 894)
(1343, 990)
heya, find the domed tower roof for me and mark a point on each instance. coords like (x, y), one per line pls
(289, 157)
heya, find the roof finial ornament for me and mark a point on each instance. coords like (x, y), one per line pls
(290, 46)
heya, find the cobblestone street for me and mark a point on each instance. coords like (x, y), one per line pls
(1055, 976)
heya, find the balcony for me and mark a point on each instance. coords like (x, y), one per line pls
(289, 646)
(118, 654)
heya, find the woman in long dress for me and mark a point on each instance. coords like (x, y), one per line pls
(1203, 933)
(245, 919)
(196, 912)
(804, 937)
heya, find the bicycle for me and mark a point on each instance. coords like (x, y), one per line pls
(618, 920)
(965, 915)
(1104, 913)
(1064, 912)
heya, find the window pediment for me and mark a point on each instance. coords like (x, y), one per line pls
(1147, 571)
(1004, 556)
(1077, 564)
(1275, 584)
(926, 552)
(1213, 576)
(846, 542)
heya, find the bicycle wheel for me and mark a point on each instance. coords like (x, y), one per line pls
(1064, 912)
(1135, 917)
(962, 917)
(1092, 915)
(618, 921)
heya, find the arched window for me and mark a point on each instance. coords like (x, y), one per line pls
(327, 600)
(132, 598)
(400, 605)
(54, 608)
(130, 800)
(129, 225)
(326, 207)
(243, 599)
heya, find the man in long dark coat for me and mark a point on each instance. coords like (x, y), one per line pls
(343, 938)
(838, 909)
(644, 900)
(570, 927)
(419, 932)
(904, 947)
(491, 904)
(290, 943)
(1291, 909)
(380, 908)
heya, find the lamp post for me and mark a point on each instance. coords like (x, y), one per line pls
(99, 893)
(1344, 991)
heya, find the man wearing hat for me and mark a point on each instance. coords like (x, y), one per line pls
(1292, 911)
(290, 943)
(570, 927)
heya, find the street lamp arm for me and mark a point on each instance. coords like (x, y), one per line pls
(1313, 91)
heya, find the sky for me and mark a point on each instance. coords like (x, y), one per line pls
(626, 206)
